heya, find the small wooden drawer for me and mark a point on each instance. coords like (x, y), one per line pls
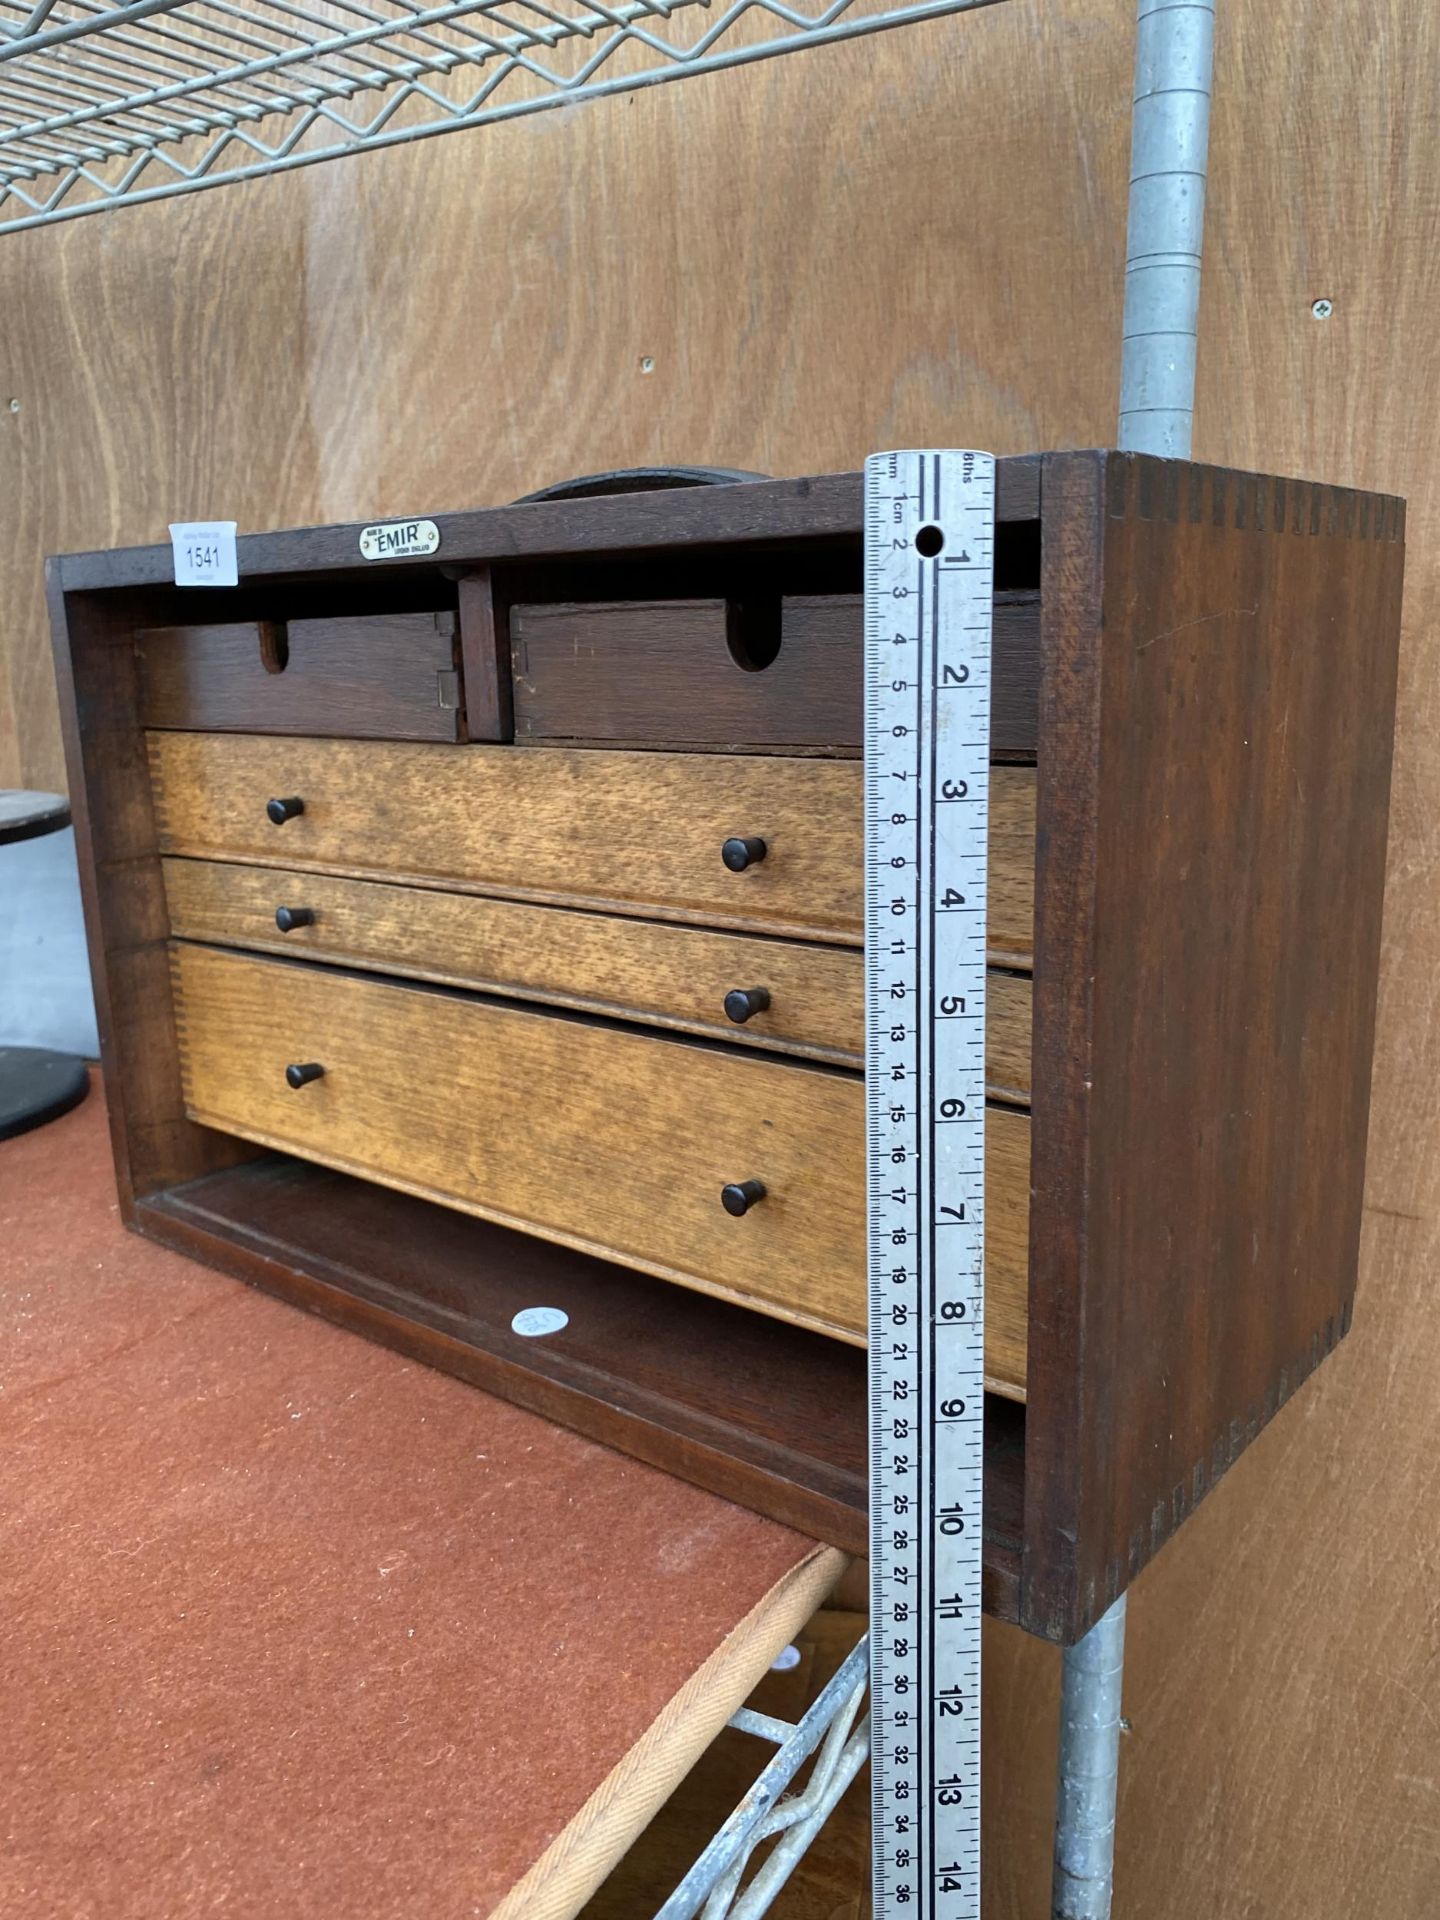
(643, 833)
(643, 970)
(387, 676)
(747, 675)
(615, 1142)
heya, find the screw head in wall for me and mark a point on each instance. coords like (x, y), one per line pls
(1322, 309)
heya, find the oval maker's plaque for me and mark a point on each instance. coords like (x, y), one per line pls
(399, 539)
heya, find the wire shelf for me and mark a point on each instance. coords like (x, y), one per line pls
(104, 105)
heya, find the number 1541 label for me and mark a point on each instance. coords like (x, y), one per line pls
(204, 553)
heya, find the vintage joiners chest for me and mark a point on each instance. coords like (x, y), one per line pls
(482, 930)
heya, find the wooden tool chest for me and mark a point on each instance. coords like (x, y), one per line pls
(483, 931)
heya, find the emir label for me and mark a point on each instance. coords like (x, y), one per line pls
(400, 540)
(929, 544)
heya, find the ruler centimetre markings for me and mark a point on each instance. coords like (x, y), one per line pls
(929, 571)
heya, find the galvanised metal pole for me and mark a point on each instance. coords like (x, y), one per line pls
(1089, 1770)
(1169, 152)
(1169, 147)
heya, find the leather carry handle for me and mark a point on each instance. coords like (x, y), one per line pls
(588, 486)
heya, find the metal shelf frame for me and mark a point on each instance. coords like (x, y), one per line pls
(104, 105)
(714, 1881)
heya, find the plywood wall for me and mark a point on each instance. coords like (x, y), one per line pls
(911, 240)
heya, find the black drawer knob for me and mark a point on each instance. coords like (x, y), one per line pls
(287, 919)
(301, 1073)
(279, 811)
(741, 1002)
(741, 1195)
(740, 853)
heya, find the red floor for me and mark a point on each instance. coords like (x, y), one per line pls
(292, 1626)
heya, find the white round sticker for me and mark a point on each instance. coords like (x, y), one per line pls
(533, 1321)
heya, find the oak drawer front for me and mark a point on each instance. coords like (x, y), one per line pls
(638, 832)
(747, 674)
(390, 676)
(787, 996)
(608, 1140)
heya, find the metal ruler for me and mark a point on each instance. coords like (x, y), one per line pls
(929, 551)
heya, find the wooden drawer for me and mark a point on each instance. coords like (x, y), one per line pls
(386, 676)
(650, 971)
(726, 674)
(611, 1141)
(641, 832)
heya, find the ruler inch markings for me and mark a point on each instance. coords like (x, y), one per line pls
(929, 523)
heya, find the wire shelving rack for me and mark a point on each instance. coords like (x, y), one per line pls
(105, 105)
